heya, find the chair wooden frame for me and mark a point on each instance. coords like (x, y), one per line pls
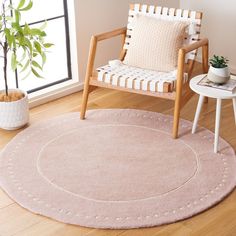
(182, 94)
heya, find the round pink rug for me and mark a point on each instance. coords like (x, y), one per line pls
(116, 169)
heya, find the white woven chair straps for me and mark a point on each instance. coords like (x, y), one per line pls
(172, 14)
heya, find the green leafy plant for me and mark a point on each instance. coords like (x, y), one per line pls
(21, 44)
(219, 61)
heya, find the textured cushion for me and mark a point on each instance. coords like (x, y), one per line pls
(155, 43)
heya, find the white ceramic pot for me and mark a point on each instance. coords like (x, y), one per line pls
(218, 75)
(14, 115)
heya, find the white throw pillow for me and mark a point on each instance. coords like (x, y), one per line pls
(154, 43)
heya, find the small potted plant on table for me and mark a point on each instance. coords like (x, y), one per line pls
(24, 47)
(219, 70)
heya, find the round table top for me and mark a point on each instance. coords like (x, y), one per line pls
(208, 91)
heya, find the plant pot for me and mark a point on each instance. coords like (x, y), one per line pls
(14, 115)
(218, 75)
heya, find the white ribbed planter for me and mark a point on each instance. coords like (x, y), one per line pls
(218, 75)
(14, 115)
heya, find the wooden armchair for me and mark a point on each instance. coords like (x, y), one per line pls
(180, 92)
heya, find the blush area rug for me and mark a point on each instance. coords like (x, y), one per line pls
(116, 169)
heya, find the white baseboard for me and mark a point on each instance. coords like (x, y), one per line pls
(53, 95)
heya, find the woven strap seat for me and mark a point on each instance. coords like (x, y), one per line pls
(136, 78)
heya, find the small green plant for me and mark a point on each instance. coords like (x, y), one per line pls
(219, 61)
(22, 44)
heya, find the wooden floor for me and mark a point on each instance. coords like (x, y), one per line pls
(218, 221)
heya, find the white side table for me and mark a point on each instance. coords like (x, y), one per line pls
(218, 94)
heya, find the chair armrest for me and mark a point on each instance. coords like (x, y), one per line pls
(194, 46)
(204, 43)
(110, 34)
(93, 48)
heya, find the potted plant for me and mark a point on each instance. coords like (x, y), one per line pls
(219, 70)
(22, 47)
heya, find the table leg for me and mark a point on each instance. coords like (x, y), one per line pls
(217, 124)
(234, 106)
(197, 114)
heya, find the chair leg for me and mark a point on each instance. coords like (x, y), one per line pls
(85, 100)
(206, 100)
(205, 65)
(178, 98)
(92, 52)
(234, 106)
(176, 118)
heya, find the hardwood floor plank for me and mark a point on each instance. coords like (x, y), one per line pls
(50, 227)
(219, 220)
(4, 200)
(102, 232)
(14, 218)
(141, 232)
(177, 229)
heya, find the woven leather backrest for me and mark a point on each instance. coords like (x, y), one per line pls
(192, 17)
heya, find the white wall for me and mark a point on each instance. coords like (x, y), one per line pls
(219, 25)
(97, 16)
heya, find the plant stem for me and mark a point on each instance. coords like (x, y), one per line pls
(5, 48)
(5, 67)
